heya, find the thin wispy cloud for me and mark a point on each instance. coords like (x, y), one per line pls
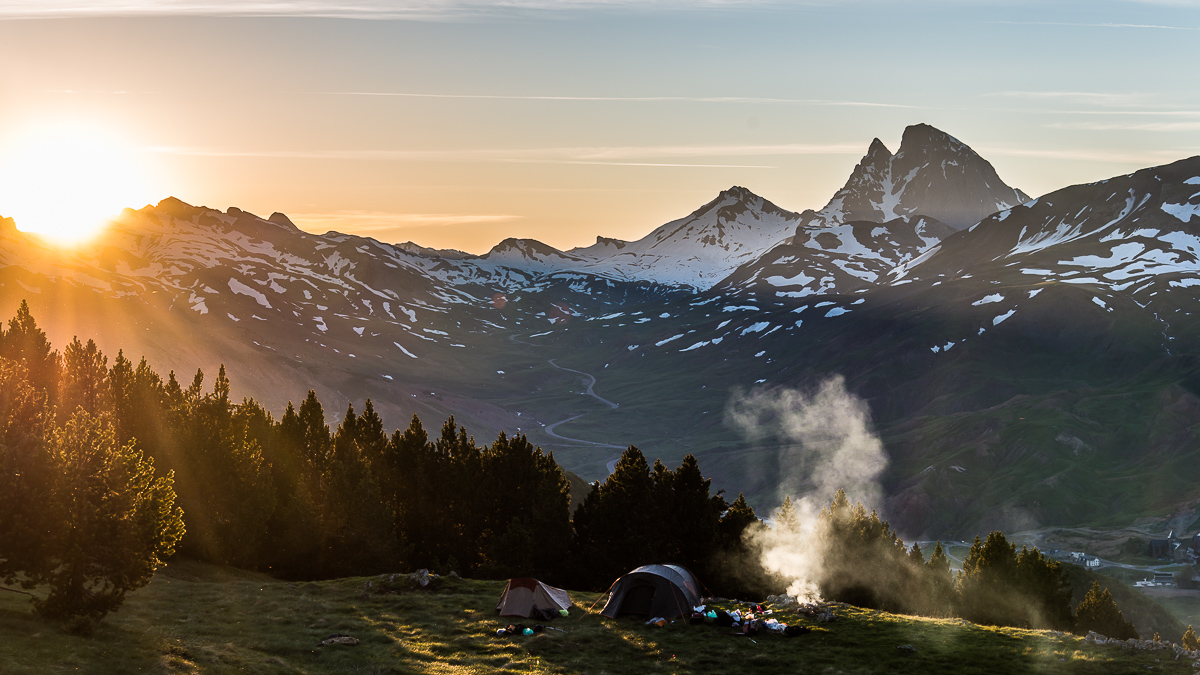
(95, 92)
(635, 99)
(616, 156)
(1127, 126)
(1130, 113)
(760, 150)
(366, 222)
(359, 9)
(1149, 158)
(1136, 26)
(1109, 99)
(659, 164)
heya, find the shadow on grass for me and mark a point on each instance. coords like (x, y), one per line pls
(201, 619)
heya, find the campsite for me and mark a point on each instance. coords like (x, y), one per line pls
(196, 617)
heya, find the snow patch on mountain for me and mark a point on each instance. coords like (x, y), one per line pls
(1001, 318)
(1184, 212)
(242, 289)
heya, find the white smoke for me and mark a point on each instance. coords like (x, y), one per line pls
(825, 443)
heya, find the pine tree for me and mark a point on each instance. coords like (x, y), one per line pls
(1000, 587)
(402, 477)
(734, 570)
(27, 474)
(120, 387)
(1099, 612)
(988, 583)
(916, 556)
(372, 438)
(940, 598)
(1047, 590)
(615, 526)
(527, 523)
(345, 439)
(221, 388)
(224, 482)
(734, 522)
(114, 521)
(316, 441)
(84, 381)
(195, 391)
(865, 564)
(785, 517)
(25, 341)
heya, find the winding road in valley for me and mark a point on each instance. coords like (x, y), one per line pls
(591, 382)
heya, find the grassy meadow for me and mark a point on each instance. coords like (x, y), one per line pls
(197, 618)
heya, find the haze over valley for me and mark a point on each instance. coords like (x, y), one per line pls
(1027, 362)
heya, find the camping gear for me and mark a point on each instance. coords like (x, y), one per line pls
(654, 590)
(530, 598)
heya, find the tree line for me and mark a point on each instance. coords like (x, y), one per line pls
(866, 564)
(107, 470)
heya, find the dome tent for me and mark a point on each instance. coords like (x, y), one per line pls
(523, 596)
(654, 590)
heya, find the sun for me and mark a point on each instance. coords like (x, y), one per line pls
(66, 180)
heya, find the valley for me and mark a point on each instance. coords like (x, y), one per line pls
(1027, 363)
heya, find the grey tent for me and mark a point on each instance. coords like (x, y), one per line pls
(653, 590)
(522, 596)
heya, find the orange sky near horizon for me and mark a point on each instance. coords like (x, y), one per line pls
(457, 130)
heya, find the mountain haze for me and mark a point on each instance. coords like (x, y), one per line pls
(1027, 362)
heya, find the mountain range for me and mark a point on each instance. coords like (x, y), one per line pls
(1027, 363)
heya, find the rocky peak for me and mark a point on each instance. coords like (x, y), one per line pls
(610, 241)
(924, 136)
(8, 228)
(877, 154)
(937, 175)
(178, 209)
(932, 174)
(530, 249)
(283, 221)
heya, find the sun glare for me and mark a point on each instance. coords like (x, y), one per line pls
(66, 181)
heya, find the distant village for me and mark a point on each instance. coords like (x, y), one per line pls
(1171, 550)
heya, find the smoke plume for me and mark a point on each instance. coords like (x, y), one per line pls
(825, 443)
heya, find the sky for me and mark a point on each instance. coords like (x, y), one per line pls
(458, 124)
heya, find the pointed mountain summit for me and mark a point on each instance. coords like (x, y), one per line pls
(933, 174)
(699, 250)
(517, 252)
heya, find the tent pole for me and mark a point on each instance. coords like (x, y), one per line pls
(589, 609)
